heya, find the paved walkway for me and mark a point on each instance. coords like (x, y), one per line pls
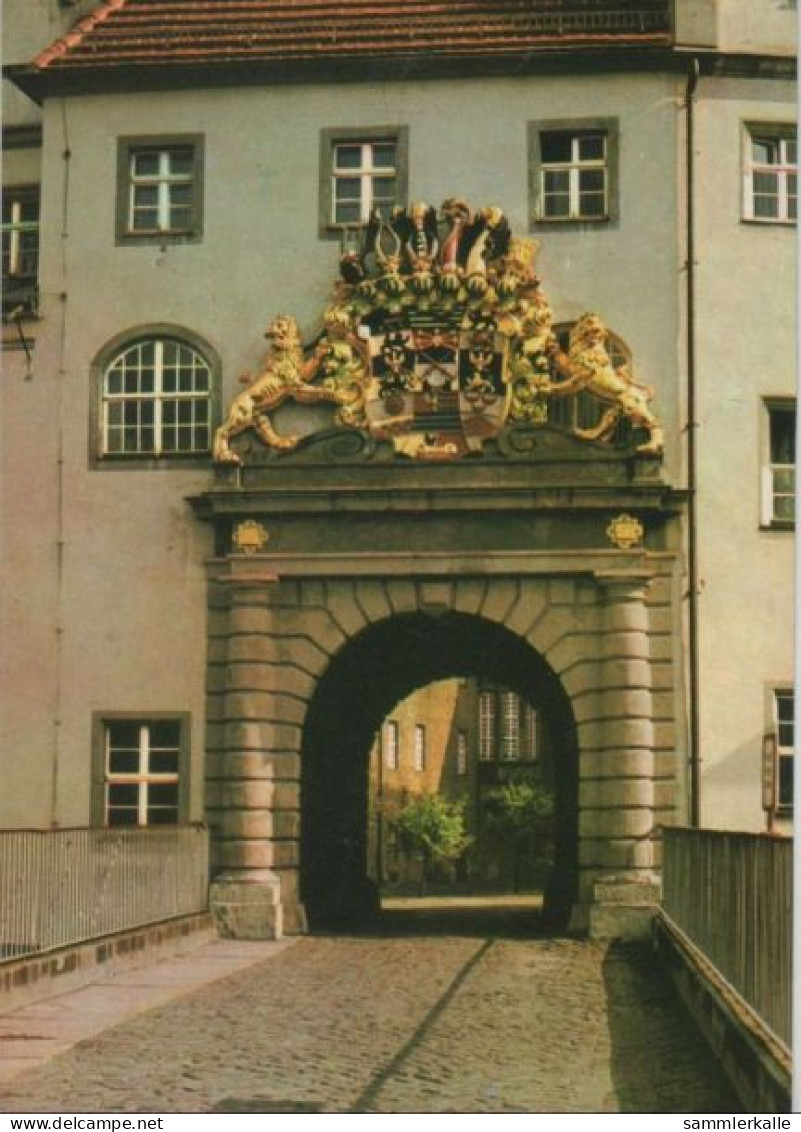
(416, 1021)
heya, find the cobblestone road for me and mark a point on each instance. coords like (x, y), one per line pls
(410, 1023)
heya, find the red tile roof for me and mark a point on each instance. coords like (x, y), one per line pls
(173, 33)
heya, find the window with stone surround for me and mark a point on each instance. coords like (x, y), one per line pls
(157, 399)
(361, 171)
(784, 723)
(510, 725)
(389, 743)
(778, 470)
(461, 753)
(487, 725)
(573, 174)
(20, 232)
(141, 769)
(159, 189)
(419, 747)
(770, 173)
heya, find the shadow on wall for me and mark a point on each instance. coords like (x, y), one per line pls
(659, 1061)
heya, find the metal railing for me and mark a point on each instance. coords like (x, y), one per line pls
(66, 886)
(731, 894)
(574, 17)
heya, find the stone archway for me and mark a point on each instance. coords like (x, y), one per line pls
(379, 667)
(282, 650)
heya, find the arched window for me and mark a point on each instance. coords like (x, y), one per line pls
(156, 399)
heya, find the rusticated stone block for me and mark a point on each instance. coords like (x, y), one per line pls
(615, 854)
(346, 611)
(665, 795)
(260, 854)
(260, 794)
(402, 595)
(312, 593)
(581, 681)
(561, 591)
(217, 650)
(247, 911)
(629, 672)
(613, 792)
(258, 648)
(435, 594)
(284, 677)
(556, 624)
(254, 824)
(626, 703)
(623, 908)
(531, 608)
(616, 733)
(261, 735)
(272, 707)
(662, 675)
(664, 706)
(468, 594)
(270, 765)
(625, 644)
(372, 597)
(244, 855)
(663, 646)
(620, 921)
(631, 763)
(501, 598)
(577, 648)
(635, 822)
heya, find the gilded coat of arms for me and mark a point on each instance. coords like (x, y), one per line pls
(438, 337)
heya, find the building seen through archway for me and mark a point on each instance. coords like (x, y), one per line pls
(462, 738)
(484, 750)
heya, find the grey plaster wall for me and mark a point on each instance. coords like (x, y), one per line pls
(261, 253)
(106, 609)
(746, 343)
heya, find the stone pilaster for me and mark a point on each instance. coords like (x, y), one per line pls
(258, 792)
(616, 790)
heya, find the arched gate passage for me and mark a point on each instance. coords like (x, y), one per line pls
(379, 667)
(363, 597)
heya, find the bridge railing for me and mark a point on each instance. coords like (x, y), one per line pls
(66, 886)
(730, 895)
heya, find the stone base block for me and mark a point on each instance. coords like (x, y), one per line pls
(247, 911)
(623, 908)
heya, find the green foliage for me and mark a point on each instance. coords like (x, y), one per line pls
(432, 828)
(517, 826)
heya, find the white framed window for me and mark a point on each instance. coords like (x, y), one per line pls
(364, 179)
(770, 190)
(778, 473)
(143, 760)
(487, 724)
(21, 232)
(510, 725)
(362, 169)
(784, 723)
(389, 743)
(419, 746)
(461, 753)
(160, 188)
(156, 400)
(573, 171)
(530, 742)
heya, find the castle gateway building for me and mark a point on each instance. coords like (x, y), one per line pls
(359, 346)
